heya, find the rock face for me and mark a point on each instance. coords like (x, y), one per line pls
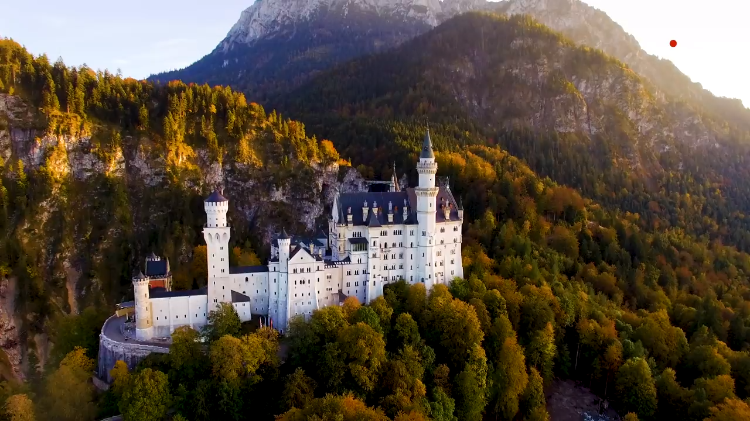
(266, 18)
(71, 227)
(586, 25)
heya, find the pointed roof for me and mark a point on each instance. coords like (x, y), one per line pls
(139, 275)
(283, 235)
(216, 197)
(373, 221)
(427, 152)
(394, 179)
(152, 256)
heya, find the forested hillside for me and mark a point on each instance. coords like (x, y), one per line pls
(99, 171)
(572, 113)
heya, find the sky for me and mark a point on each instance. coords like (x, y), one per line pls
(144, 37)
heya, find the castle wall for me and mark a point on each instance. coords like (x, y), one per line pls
(169, 313)
(255, 286)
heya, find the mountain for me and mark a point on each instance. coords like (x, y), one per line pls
(572, 113)
(278, 44)
(586, 25)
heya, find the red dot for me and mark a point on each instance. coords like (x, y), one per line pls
(673, 43)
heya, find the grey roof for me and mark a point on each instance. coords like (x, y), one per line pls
(283, 235)
(139, 275)
(239, 298)
(342, 297)
(153, 256)
(248, 269)
(427, 147)
(163, 293)
(373, 220)
(299, 247)
(156, 268)
(358, 240)
(304, 240)
(356, 201)
(216, 197)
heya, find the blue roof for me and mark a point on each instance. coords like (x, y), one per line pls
(216, 197)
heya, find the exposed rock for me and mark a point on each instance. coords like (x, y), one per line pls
(10, 341)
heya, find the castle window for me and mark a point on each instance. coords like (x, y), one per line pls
(393, 256)
(348, 273)
(295, 270)
(400, 266)
(451, 261)
(385, 267)
(374, 243)
(356, 272)
(424, 233)
(411, 279)
(348, 284)
(246, 280)
(442, 229)
(295, 282)
(308, 270)
(411, 244)
(356, 284)
(455, 228)
(451, 272)
(400, 244)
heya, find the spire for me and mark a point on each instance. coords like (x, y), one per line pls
(394, 179)
(427, 147)
(283, 236)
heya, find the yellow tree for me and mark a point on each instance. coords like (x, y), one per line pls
(730, 410)
(19, 408)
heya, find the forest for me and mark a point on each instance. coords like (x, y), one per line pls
(561, 282)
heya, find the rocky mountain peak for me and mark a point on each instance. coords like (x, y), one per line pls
(265, 17)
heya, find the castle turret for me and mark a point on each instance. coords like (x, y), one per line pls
(216, 233)
(285, 244)
(143, 317)
(426, 211)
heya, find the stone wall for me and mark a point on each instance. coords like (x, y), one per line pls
(110, 351)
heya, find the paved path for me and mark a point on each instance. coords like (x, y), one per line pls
(113, 330)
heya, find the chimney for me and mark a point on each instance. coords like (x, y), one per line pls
(460, 209)
(390, 212)
(349, 214)
(447, 211)
(375, 208)
(406, 210)
(364, 212)
(312, 249)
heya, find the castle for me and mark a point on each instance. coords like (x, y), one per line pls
(373, 239)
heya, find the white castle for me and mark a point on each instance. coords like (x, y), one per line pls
(373, 239)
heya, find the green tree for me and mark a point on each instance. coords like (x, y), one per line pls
(471, 386)
(299, 390)
(147, 398)
(442, 406)
(636, 391)
(509, 379)
(222, 321)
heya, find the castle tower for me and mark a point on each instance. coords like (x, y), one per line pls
(144, 329)
(216, 233)
(281, 313)
(426, 212)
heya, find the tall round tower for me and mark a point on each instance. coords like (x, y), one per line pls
(426, 211)
(216, 233)
(144, 326)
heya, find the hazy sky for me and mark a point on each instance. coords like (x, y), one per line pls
(144, 37)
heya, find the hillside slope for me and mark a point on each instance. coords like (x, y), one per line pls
(98, 171)
(573, 113)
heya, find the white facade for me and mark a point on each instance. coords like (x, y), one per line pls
(373, 239)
